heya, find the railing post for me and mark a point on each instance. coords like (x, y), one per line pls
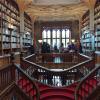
(93, 57)
(12, 61)
(21, 57)
(12, 58)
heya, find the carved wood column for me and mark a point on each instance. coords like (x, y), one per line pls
(33, 18)
(91, 4)
(23, 5)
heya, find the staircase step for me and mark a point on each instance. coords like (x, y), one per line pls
(57, 94)
(54, 93)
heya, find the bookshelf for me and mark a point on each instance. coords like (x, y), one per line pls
(97, 26)
(27, 36)
(10, 28)
(87, 38)
(85, 21)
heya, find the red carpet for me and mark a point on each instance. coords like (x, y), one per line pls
(54, 93)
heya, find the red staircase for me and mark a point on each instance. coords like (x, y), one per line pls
(55, 93)
(47, 92)
(58, 93)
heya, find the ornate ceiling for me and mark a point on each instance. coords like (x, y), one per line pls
(53, 10)
(55, 2)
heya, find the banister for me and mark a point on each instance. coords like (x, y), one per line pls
(75, 66)
(6, 76)
(11, 91)
(30, 79)
(4, 67)
(84, 80)
(74, 70)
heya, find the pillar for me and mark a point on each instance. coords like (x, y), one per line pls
(21, 29)
(80, 24)
(92, 20)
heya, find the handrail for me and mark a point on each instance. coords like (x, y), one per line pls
(73, 67)
(6, 90)
(94, 74)
(39, 66)
(48, 57)
(13, 89)
(6, 76)
(71, 75)
(21, 73)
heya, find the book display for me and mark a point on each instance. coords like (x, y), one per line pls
(10, 28)
(86, 38)
(97, 26)
(27, 37)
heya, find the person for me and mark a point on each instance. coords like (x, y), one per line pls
(55, 48)
(49, 78)
(80, 48)
(35, 74)
(63, 79)
(48, 48)
(61, 49)
(72, 47)
(43, 47)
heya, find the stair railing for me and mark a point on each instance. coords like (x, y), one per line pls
(88, 84)
(48, 57)
(65, 76)
(13, 73)
(22, 76)
(6, 76)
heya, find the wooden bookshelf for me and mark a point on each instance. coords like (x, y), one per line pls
(85, 22)
(87, 38)
(10, 28)
(97, 26)
(27, 37)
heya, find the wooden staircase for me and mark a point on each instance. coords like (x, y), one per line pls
(33, 88)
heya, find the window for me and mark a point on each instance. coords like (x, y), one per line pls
(56, 37)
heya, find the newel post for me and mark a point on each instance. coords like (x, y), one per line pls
(12, 58)
(21, 57)
(12, 61)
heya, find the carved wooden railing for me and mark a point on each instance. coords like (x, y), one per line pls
(13, 92)
(88, 84)
(7, 76)
(50, 77)
(22, 76)
(62, 65)
(14, 73)
(49, 57)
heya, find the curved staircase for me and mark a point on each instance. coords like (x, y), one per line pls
(79, 88)
(48, 92)
(56, 93)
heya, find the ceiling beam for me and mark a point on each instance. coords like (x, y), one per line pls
(33, 18)
(23, 4)
(90, 3)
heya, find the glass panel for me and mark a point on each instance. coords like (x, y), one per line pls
(48, 41)
(58, 43)
(48, 34)
(44, 34)
(63, 41)
(67, 41)
(58, 33)
(44, 40)
(63, 33)
(54, 33)
(67, 33)
(54, 42)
